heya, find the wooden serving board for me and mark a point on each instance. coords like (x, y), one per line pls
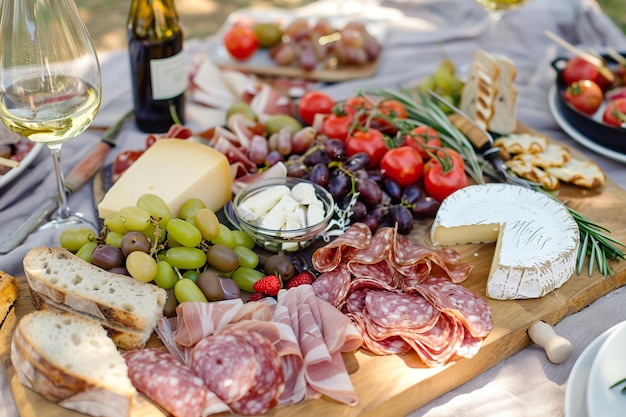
(397, 385)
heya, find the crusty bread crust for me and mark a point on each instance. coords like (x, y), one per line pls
(123, 337)
(9, 291)
(63, 278)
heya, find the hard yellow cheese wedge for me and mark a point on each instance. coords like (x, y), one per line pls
(175, 170)
(536, 237)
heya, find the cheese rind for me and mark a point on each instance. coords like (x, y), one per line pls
(175, 170)
(536, 237)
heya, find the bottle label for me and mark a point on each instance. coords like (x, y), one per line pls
(169, 77)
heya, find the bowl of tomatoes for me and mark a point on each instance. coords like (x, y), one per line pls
(594, 105)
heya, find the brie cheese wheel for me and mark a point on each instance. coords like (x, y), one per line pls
(536, 237)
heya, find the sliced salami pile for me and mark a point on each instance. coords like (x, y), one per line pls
(401, 295)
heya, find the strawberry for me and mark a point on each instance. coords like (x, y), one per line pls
(304, 277)
(256, 296)
(269, 285)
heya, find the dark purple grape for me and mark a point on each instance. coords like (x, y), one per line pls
(425, 206)
(357, 161)
(359, 211)
(371, 222)
(375, 175)
(335, 150)
(402, 218)
(107, 257)
(296, 169)
(369, 192)
(120, 270)
(308, 60)
(316, 157)
(380, 212)
(274, 157)
(411, 193)
(361, 174)
(319, 175)
(135, 241)
(392, 188)
(338, 185)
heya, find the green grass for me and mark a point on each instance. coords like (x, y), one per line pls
(616, 10)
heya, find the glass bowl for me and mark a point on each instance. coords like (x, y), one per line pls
(246, 213)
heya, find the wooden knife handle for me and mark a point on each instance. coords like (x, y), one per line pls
(87, 168)
(479, 139)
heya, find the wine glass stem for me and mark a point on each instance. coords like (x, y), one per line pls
(63, 212)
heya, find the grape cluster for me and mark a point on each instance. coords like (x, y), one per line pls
(193, 256)
(380, 201)
(444, 82)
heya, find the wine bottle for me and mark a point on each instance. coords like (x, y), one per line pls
(159, 78)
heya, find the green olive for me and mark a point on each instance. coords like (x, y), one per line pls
(268, 34)
(278, 121)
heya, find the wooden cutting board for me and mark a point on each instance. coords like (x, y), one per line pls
(398, 385)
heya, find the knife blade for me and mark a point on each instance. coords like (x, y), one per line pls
(75, 179)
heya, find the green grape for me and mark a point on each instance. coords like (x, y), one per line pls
(187, 290)
(426, 84)
(225, 237)
(185, 258)
(135, 219)
(448, 65)
(86, 251)
(155, 232)
(206, 221)
(247, 257)
(243, 239)
(156, 207)
(443, 80)
(190, 207)
(75, 238)
(114, 223)
(165, 277)
(192, 275)
(161, 256)
(141, 266)
(114, 239)
(246, 277)
(184, 232)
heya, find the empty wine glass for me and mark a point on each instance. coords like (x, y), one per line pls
(50, 85)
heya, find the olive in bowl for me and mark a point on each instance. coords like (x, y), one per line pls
(283, 214)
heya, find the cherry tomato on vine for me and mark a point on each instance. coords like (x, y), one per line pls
(358, 103)
(393, 108)
(404, 165)
(579, 69)
(584, 95)
(423, 137)
(439, 182)
(241, 42)
(337, 126)
(312, 103)
(615, 112)
(370, 141)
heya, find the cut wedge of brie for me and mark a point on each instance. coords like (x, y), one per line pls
(536, 237)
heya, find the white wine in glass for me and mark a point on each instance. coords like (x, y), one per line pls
(50, 84)
(496, 8)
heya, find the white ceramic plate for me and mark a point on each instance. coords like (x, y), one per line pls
(576, 388)
(24, 163)
(609, 366)
(576, 135)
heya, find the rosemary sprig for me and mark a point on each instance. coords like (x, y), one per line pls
(595, 245)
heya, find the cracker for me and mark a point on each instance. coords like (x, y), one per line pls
(522, 143)
(582, 173)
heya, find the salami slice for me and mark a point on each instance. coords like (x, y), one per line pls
(167, 382)
(328, 257)
(400, 311)
(378, 249)
(332, 286)
(381, 272)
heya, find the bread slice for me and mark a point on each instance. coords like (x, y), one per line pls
(504, 120)
(64, 278)
(71, 361)
(9, 291)
(480, 90)
(123, 337)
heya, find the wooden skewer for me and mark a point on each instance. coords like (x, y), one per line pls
(616, 56)
(8, 162)
(597, 62)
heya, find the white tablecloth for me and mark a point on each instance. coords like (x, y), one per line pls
(526, 384)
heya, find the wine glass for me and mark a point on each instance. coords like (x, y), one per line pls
(496, 9)
(50, 86)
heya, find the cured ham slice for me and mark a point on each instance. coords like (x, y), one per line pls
(192, 325)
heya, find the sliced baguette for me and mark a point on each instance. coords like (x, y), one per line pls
(9, 291)
(71, 361)
(64, 278)
(504, 120)
(123, 337)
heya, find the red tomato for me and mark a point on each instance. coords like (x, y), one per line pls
(579, 69)
(312, 103)
(370, 141)
(393, 108)
(423, 137)
(439, 182)
(615, 112)
(358, 103)
(584, 95)
(241, 42)
(404, 165)
(337, 127)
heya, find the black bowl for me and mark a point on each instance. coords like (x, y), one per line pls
(592, 127)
